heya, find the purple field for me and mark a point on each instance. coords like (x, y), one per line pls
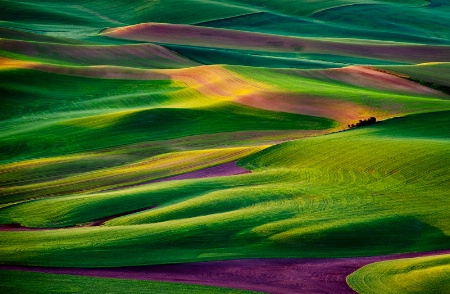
(312, 275)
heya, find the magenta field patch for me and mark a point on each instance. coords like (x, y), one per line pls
(282, 276)
(221, 170)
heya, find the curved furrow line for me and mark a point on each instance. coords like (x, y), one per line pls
(414, 168)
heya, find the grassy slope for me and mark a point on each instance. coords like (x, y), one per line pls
(92, 14)
(150, 103)
(83, 20)
(130, 55)
(13, 34)
(295, 8)
(438, 73)
(88, 17)
(412, 275)
(128, 174)
(44, 93)
(391, 18)
(241, 57)
(388, 102)
(15, 282)
(289, 25)
(147, 125)
(229, 39)
(336, 195)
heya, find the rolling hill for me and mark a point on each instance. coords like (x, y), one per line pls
(221, 146)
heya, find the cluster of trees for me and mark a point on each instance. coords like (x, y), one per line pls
(371, 120)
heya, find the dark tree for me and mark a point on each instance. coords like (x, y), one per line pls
(360, 123)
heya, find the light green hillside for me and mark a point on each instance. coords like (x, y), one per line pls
(98, 178)
(429, 274)
(359, 192)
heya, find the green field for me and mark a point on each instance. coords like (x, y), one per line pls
(176, 132)
(28, 282)
(413, 275)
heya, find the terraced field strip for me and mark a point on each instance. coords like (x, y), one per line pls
(320, 93)
(135, 55)
(226, 169)
(346, 95)
(350, 22)
(156, 167)
(79, 19)
(222, 38)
